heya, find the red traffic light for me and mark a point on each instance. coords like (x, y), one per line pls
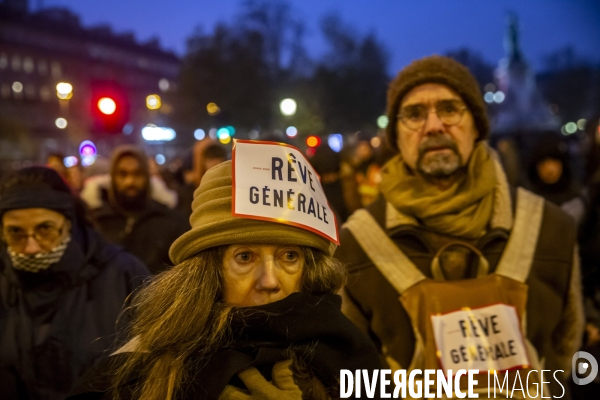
(313, 141)
(107, 106)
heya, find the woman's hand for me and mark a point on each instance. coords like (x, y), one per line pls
(283, 386)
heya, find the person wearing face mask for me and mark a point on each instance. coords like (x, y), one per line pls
(248, 312)
(61, 287)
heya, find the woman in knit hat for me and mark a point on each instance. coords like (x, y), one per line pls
(249, 311)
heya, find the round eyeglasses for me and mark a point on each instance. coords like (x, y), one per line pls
(450, 112)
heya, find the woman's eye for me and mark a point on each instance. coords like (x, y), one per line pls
(290, 256)
(244, 257)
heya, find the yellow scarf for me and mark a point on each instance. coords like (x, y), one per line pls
(463, 210)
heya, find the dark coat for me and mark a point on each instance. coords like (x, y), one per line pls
(55, 323)
(148, 235)
(389, 325)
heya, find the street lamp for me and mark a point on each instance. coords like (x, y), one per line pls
(288, 107)
(153, 102)
(212, 109)
(60, 123)
(64, 90)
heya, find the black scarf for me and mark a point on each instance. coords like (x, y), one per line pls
(312, 326)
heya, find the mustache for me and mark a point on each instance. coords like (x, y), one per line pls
(437, 142)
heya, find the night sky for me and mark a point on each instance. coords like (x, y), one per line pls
(409, 29)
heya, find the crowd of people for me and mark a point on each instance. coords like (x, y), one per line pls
(137, 283)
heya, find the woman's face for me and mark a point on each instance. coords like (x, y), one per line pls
(257, 274)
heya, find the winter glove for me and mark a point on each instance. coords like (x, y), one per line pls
(282, 387)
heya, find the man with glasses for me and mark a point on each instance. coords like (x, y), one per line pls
(61, 287)
(449, 234)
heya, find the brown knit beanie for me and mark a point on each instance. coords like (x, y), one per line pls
(213, 223)
(436, 69)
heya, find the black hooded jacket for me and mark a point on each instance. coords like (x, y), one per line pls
(55, 323)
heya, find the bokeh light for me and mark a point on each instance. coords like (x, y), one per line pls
(64, 90)
(164, 84)
(225, 139)
(383, 121)
(488, 97)
(222, 132)
(490, 87)
(288, 107)
(291, 131)
(155, 133)
(336, 142)
(17, 87)
(499, 97)
(88, 160)
(70, 161)
(581, 124)
(61, 123)
(160, 159)
(107, 106)
(87, 148)
(212, 109)
(199, 134)
(313, 141)
(127, 129)
(153, 102)
(375, 142)
(571, 127)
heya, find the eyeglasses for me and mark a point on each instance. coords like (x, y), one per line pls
(450, 112)
(43, 233)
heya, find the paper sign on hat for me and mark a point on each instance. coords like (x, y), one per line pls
(275, 182)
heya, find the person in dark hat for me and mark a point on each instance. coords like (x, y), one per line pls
(550, 174)
(61, 287)
(444, 237)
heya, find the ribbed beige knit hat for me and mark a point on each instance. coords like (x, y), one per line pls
(214, 225)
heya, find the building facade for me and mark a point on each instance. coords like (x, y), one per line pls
(40, 50)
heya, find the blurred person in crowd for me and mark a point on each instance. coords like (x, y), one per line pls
(75, 177)
(128, 216)
(550, 174)
(327, 164)
(248, 312)
(57, 163)
(360, 174)
(444, 236)
(589, 244)
(61, 287)
(207, 153)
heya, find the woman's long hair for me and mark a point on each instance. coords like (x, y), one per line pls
(181, 312)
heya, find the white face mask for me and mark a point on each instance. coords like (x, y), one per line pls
(40, 261)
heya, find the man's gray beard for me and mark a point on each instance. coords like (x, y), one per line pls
(439, 165)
